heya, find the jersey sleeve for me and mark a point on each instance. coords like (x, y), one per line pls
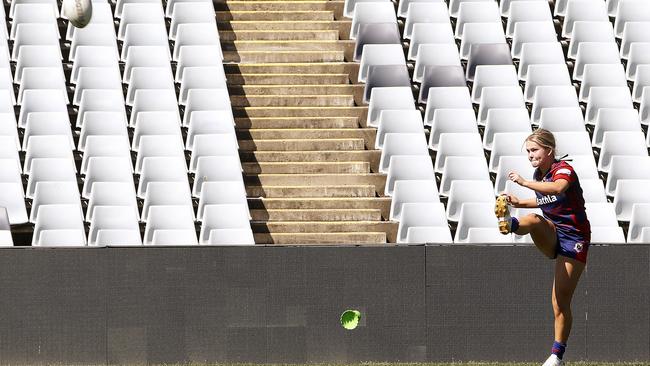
(566, 172)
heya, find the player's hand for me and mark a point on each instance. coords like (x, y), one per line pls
(512, 200)
(513, 176)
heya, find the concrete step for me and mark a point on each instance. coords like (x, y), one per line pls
(315, 215)
(223, 16)
(387, 227)
(377, 203)
(359, 112)
(369, 156)
(348, 68)
(368, 134)
(306, 168)
(291, 122)
(301, 145)
(335, 6)
(343, 26)
(310, 45)
(357, 238)
(355, 90)
(286, 79)
(292, 100)
(283, 56)
(374, 179)
(275, 35)
(359, 190)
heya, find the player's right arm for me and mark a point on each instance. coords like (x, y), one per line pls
(526, 203)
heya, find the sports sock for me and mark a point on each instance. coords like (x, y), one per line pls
(558, 349)
(514, 224)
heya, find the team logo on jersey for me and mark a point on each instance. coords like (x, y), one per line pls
(578, 247)
(546, 199)
(563, 171)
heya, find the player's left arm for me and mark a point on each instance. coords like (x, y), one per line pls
(554, 188)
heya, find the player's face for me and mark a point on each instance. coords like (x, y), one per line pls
(537, 154)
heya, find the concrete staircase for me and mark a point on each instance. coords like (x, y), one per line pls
(311, 170)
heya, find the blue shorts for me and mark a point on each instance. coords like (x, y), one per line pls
(572, 246)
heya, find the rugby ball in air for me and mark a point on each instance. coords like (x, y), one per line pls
(78, 12)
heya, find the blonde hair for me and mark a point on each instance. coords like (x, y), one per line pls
(543, 138)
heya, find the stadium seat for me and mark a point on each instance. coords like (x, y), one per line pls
(5, 229)
(451, 120)
(454, 6)
(162, 169)
(375, 34)
(212, 145)
(221, 193)
(197, 100)
(601, 214)
(106, 78)
(422, 234)
(616, 143)
(216, 169)
(100, 101)
(628, 193)
(149, 78)
(45, 100)
(111, 194)
(94, 35)
(438, 54)
(49, 170)
(644, 107)
(112, 218)
(607, 235)
(380, 54)
(408, 167)
(209, 122)
(143, 35)
(506, 144)
(518, 164)
(573, 143)
(634, 32)
(593, 190)
(34, 34)
(429, 33)
(527, 12)
(119, 5)
(225, 217)
(583, 11)
(191, 13)
(102, 124)
(118, 238)
(193, 56)
(158, 100)
(539, 53)
(6, 84)
(641, 80)
(106, 169)
(606, 97)
(476, 12)
(584, 166)
(468, 191)
(639, 221)
(440, 77)
(146, 56)
(59, 225)
(639, 55)
(166, 194)
(348, 7)
(385, 76)
(562, 119)
(492, 75)
(505, 6)
(505, 120)
(446, 98)
(601, 75)
(102, 14)
(480, 33)
(475, 215)
(201, 34)
(397, 144)
(457, 144)
(210, 77)
(626, 167)
(412, 191)
(47, 124)
(158, 146)
(499, 97)
(531, 32)
(627, 12)
(388, 98)
(588, 31)
(430, 214)
(398, 121)
(612, 6)
(91, 56)
(15, 3)
(140, 13)
(462, 168)
(545, 75)
(170, 225)
(8, 149)
(378, 12)
(403, 7)
(47, 146)
(155, 123)
(594, 53)
(36, 56)
(424, 12)
(518, 191)
(552, 97)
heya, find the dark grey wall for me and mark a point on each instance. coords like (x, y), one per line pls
(281, 304)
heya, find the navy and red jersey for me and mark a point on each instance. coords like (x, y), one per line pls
(565, 210)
